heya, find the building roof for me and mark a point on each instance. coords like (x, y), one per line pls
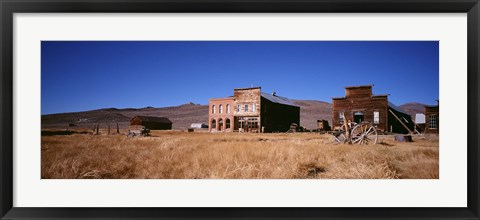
(153, 119)
(381, 95)
(373, 96)
(278, 99)
(258, 87)
(361, 86)
(223, 98)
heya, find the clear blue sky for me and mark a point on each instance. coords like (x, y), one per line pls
(86, 75)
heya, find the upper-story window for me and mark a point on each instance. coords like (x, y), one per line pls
(228, 108)
(220, 109)
(254, 108)
(238, 108)
(213, 109)
(246, 108)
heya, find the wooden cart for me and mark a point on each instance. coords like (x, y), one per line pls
(353, 133)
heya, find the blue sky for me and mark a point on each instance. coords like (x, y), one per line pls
(86, 75)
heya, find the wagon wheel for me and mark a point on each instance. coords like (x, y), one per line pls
(364, 133)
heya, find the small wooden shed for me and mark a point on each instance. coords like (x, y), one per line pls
(152, 123)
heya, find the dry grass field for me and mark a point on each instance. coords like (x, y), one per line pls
(197, 155)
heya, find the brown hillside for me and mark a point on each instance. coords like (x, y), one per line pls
(312, 110)
(182, 116)
(413, 108)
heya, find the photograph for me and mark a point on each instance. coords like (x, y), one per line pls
(240, 110)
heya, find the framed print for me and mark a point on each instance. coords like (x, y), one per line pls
(233, 109)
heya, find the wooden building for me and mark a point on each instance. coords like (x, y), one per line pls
(250, 110)
(432, 123)
(322, 125)
(152, 123)
(360, 104)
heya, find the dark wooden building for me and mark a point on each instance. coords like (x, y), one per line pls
(250, 110)
(278, 113)
(152, 123)
(322, 125)
(359, 104)
(432, 122)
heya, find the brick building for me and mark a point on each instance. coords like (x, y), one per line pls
(250, 110)
(359, 104)
(220, 114)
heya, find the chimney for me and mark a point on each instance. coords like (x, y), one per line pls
(274, 93)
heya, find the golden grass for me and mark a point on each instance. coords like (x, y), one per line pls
(181, 155)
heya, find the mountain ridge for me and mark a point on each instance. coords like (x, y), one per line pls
(184, 115)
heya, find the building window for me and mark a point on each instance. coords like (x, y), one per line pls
(227, 123)
(214, 124)
(432, 121)
(342, 117)
(376, 117)
(254, 108)
(220, 109)
(246, 108)
(228, 108)
(238, 108)
(213, 109)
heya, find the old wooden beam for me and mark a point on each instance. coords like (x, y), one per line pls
(409, 131)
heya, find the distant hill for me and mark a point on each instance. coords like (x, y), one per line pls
(312, 110)
(181, 116)
(184, 115)
(413, 108)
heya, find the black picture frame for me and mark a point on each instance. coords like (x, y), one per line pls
(9, 7)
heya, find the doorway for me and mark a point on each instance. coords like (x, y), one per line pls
(358, 117)
(220, 124)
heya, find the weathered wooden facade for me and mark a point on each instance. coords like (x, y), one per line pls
(253, 111)
(152, 123)
(432, 122)
(359, 104)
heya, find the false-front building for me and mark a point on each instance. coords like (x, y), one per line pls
(359, 104)
(250, 110)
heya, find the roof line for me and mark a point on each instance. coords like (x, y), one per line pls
(258, 87)
(360, 86)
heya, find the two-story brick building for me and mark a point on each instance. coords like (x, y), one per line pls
(250, 110)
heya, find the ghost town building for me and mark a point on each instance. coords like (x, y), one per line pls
(250, 110)
(359, 104)
(432, 122)
(152, 123)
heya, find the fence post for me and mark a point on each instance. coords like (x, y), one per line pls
(118, 129)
